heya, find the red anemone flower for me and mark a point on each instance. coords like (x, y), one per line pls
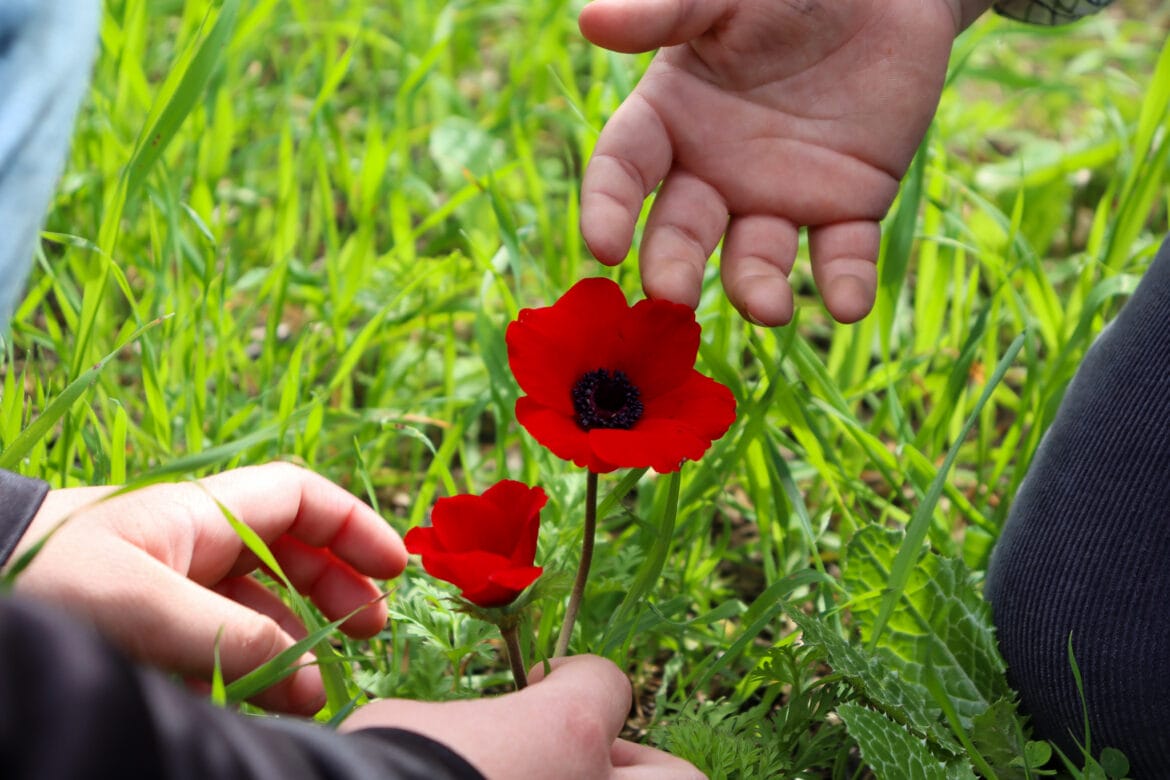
(611, 386)
(485, 545)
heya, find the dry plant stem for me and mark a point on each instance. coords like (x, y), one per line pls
(583, 569)
(511, 636)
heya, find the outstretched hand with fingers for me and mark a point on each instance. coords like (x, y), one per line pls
(161, 572)
(761, 117)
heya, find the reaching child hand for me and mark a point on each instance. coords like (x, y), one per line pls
(160, 571)
(761, 117)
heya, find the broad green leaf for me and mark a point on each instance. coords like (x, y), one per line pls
(875, 678)
(940, 621)
(998, 735)
(892, 752)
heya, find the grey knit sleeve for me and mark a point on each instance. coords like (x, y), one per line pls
(1048, 12)
(20, 498)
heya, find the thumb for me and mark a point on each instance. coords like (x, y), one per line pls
(591, 685)
(642, 25)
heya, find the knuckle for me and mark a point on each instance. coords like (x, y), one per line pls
(258, 640)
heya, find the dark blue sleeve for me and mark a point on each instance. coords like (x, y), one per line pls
(72, 706)
(20, 498)
(1084, 557)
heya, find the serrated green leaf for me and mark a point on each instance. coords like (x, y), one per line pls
(870, 675)
(892, 751)
(941, 621)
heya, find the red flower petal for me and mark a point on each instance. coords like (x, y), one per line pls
(658, 444)
(480, 578)
(484, 544)
(704, 404)
(422, 541)
(465, 523)
(657, 346)
(523, 503)
(560, 434)
(550, 348)
(653, 344)
(517, 579)
(679, 425)
(467, 570)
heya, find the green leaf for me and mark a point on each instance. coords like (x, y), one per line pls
(892, 751)
(873, 676)
(941, 621)
(218, 694)
(761, 615)
(998, 735)
(330, 675)
(1114, 762)
(182, 91)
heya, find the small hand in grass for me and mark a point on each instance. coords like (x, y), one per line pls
(759, 118)
(563, 725)
(160, 571)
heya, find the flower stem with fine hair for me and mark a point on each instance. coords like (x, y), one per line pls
(511, 634)
(578, 592)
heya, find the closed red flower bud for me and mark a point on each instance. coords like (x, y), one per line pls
(485, 545)
(611, 386)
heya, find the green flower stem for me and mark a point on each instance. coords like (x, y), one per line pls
(511, 634)
(583, 569)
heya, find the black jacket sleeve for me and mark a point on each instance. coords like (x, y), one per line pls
(20, 498)
(71, 706)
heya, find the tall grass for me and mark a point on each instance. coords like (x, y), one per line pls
(298, 229)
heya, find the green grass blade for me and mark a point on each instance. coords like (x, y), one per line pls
(622, 624)
(919, 525)
(60, 406)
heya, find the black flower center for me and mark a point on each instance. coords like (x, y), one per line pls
(606, 399)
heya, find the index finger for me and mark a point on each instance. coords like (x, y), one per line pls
(633, 154)
(279, 498)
